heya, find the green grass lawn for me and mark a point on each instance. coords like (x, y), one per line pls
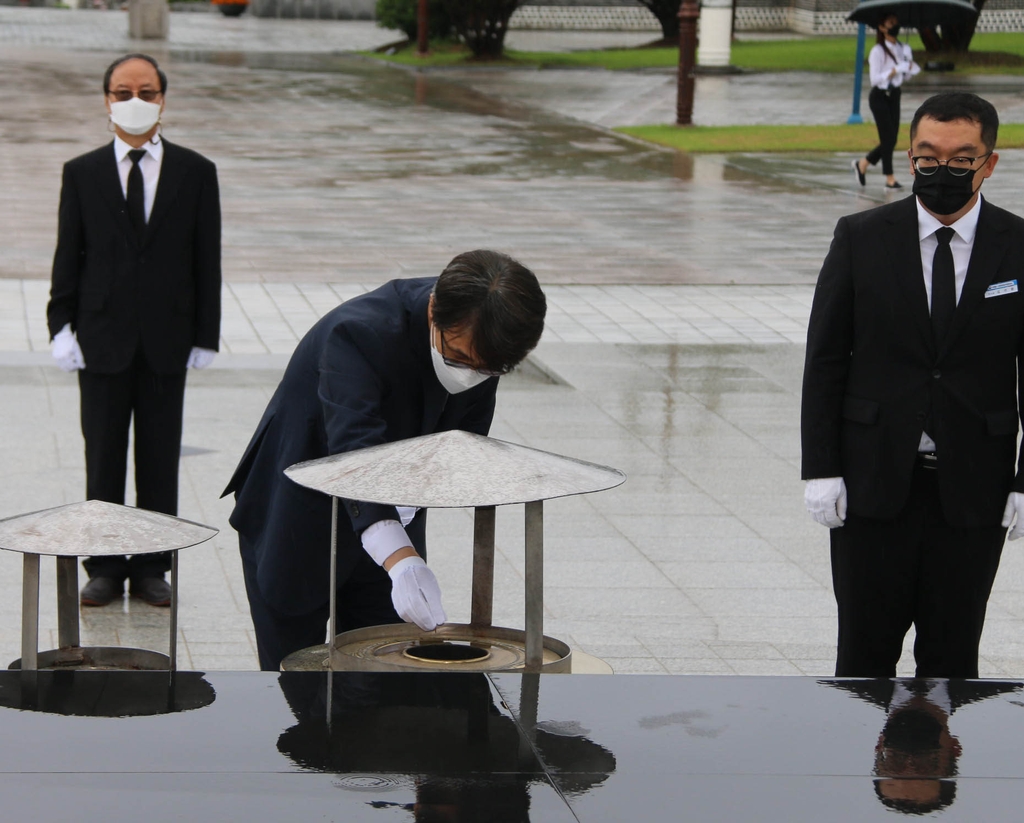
(838, 138)
(824, 54)
(1001, 53)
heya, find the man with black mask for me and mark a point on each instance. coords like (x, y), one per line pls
(910, 406)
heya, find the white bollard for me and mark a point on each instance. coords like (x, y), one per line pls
(149, 19)
(715, 44)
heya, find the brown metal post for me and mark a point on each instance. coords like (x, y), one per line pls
(422, 29)
(483, 567)
(689, 11)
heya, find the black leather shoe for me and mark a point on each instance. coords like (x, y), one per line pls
(101, 590)
(154, 590)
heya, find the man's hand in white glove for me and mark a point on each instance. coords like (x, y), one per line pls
(200, 358)
(65, 350)
(825, 498)
(1014, 506)
(415, 593)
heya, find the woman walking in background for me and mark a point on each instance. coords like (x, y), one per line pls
(890, 62)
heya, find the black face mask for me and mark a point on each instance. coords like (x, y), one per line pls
(894, 31)
(942, 193)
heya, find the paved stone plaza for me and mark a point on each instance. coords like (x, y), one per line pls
(679, 289)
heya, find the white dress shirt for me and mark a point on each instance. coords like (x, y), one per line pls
(881, 63)
(961, 244)
(148, 165)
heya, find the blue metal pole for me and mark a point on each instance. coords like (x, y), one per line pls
(858, 77)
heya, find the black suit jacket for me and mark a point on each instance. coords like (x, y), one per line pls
(873, 375)
(119, 291)
(360, 377)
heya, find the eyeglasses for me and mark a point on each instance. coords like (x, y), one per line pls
(958, 166)
(124, 95)
(458, 364)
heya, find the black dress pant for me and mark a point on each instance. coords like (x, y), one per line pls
(363, 599)
(111, 404)
(914, 570)
(885, 108)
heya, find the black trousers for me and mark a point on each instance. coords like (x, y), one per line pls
(914, 570)
(885, 108)
(363, 599)
(110, 405)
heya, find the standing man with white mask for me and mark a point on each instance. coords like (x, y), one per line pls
(411, 358)
(134, 303)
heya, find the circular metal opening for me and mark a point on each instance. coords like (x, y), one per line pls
(446, 653)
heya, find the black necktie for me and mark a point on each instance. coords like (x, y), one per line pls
(943, 285)
(136, 193)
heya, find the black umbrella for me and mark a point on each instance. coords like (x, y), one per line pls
(913, 14)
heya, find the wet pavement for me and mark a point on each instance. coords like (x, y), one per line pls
(679, 288)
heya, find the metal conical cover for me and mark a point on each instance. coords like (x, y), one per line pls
(452, 469)
(94, 528)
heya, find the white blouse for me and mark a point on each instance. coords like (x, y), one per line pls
(881, 63)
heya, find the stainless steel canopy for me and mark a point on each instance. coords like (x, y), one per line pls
(94, 528)
(91, 528)
(452, 469)
(448, 470)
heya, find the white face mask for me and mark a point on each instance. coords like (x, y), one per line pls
(453, 379)
(135, 116)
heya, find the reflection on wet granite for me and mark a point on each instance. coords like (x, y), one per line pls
(916, 755)
(105, 693)
(464, 755)
(517, 748)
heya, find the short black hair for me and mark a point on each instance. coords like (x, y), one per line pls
(498, 299)
(960, 105)
(110, 71)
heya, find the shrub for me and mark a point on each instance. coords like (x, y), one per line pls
(403, 15)
(482, 24)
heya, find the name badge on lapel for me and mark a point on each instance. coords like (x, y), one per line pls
(999, 289)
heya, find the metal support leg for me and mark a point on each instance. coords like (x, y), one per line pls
(483, 567)
(30, 612)
(534, 585)
(173, 648)
(334, 589)
(67, 603)
(529, 699)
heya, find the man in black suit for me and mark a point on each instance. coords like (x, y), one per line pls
(910, 406)
(134, 303)
(410, 358)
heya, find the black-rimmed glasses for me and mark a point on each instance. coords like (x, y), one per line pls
(124, 95)
(958, 166)
(458, 364)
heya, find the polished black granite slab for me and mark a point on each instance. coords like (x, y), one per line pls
(494, 748)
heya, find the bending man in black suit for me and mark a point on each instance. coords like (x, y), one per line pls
(411, 358)
(910, 404)
(134, 302)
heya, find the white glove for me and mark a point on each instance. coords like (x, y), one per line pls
(1014, 506)
(415, 593)
(200, 358)
(825, 498)
(66, 351)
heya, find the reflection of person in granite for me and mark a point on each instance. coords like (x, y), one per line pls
(465, 758)
(916, 754)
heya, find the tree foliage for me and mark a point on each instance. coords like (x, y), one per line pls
(481, 24)
(950, 38)
(403, 15)
(667, 12)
